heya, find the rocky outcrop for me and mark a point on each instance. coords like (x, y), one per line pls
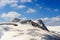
(15, 20)
(39, 23)
(25, 21)
(9, 24)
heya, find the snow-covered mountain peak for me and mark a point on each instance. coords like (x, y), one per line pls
(25, 30)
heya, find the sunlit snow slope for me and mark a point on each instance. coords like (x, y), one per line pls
(24, 32)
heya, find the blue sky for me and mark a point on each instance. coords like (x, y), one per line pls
(47, 10)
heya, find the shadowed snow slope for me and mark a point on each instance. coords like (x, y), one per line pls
(25, 32)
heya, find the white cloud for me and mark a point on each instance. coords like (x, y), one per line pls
(55, 21)
(10, 15)
(48, 9)
(23, 18)
(21, 6)
(40, 7)
(30, 10)
(5, 2)
(53, 18)
(56, 10)
(23, 1)
(52, 10)
(13, 5)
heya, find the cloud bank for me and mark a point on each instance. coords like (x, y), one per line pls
(10, 15)
(54, 21)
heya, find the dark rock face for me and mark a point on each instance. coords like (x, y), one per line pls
(25, 21)
(40, 22)
(16, 20)
(9, 24)
(33, 23)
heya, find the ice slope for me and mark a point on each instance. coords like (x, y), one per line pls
(25, 32)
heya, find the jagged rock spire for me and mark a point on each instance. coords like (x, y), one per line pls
(40, 22)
